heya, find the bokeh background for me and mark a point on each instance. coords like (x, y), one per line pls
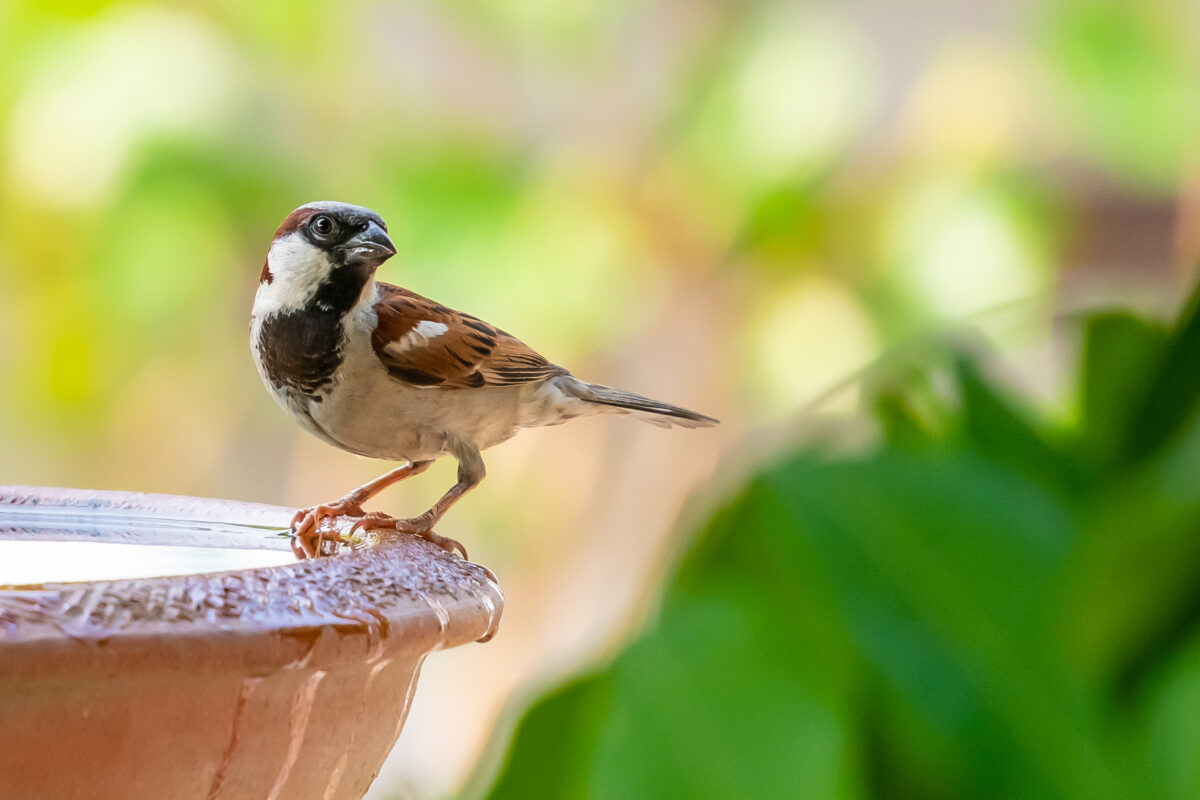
(735, 206)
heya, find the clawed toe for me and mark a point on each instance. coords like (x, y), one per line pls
(307, 543)
(305, 547)
(423, 526)
(417, 526)
(307, 534)
(445, 542)
(360, 532)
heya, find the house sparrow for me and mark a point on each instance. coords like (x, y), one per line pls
(383, 372)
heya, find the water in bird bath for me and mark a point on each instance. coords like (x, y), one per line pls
(49, 535)
(33, 562)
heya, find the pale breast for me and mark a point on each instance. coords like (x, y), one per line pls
(372, 413)
(344, 395)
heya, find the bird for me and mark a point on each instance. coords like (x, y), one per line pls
(382, 372)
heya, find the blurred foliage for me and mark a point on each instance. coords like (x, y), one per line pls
(730, 205)
(986, 604)
(1128, 79)
(601, 155)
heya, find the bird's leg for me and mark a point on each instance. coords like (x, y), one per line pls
(470, 473)
(306, 524)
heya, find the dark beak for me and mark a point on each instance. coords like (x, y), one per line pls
(369, 245)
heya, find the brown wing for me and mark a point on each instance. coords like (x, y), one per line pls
(423, 343)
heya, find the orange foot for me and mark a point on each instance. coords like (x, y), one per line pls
(418, 526)
(307, 534)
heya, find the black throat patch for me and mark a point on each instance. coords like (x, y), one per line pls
(301, 350)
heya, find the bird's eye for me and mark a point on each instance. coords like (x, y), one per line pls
(323, 226)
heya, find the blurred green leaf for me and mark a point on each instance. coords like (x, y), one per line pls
(1133, 584)
(952, 614)
(1003, 433)
(564, 727)
(1167, 748)
(1173, 394)
(1119, 353)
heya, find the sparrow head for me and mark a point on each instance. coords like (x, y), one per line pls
(323, 254)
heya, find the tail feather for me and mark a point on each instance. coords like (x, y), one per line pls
(655, 412)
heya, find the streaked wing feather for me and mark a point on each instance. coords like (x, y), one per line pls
(469, 353)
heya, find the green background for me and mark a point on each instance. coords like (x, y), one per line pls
(952, 503)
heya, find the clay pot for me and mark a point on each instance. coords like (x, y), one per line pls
(290, 681)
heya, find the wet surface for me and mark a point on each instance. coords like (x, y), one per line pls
(56, 535)
(359, 586)
(34, 561)
(294, 679)
(134, 518)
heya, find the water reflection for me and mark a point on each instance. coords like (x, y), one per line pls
(53, 536)
(30, 562)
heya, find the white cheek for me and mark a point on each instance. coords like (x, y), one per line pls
(297, 269)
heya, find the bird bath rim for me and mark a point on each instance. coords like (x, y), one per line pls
(284, 681)
(407, 579)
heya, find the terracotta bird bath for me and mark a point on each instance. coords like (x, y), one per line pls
(279, 682)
